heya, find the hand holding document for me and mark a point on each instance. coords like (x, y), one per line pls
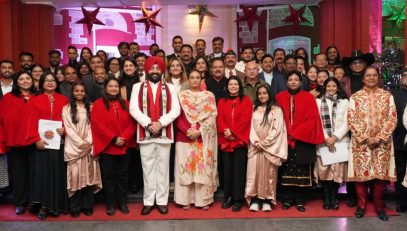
(48, 132)
(341, 154)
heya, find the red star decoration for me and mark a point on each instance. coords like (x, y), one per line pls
(202, 11)
(249, 15)
(90, 18)
(149, 19)
(296, 16)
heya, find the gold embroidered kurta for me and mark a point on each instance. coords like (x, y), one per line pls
(371, 114)
(267, 150)
(82, 168)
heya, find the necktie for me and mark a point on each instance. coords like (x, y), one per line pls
(230, 73)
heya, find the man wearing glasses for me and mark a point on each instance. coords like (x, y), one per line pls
(357, 63)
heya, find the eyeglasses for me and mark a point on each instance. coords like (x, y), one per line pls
(358, 62)
(50, 81)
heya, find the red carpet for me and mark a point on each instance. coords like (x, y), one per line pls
(314, 210)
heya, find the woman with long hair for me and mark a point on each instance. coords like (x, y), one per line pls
(128, 78)
(322, 75)
(36, 71)
(83, 173)
(312, 73)
(267, 150)
(233, 121)
(49, 185)
(59, 73)
(86, 54)
(113, 67)
(196, 177)
(111, 143)
(12, 108)
(333, 107)
(333, 56)
(176, 74)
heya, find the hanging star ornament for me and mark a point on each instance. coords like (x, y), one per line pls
(89, 18)
(249, 15)
(398, 16)
(202, 11)
(149, 19)
(296, 16)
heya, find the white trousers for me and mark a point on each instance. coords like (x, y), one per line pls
(155, 159)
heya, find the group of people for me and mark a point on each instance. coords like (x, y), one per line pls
(205, 123)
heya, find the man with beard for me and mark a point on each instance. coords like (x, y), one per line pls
(217, 82)
(267, 64)
(217, 47)
(230, 63)
(247, 55)
(54, 60)
(399, 136)
(72, 56)
(26, 60)
(100, 76)
(6, 77)
(200, 46)
(279, 56)
(134, 49)
(186, 57)
(154, 104)
(280, 80)
(177, 43)
(123, 50)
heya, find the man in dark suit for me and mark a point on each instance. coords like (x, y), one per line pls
(230, 63)
(217, 46)
(177, 43)
(6, 76)
(267, 64)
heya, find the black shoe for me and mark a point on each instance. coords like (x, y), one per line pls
(286, 205)
(237, 206)
(43, 214)
(401, 208)
(301, 208)
(382, 215)
(34, 208)
(20, 209)
(124, 209)
(74, 214)
(326, 205)
(110, 211)
(54, 214)
(88, 212)
(146, 210)
(360, 212)
(227, 203)
(335, 204)
(162, 209)
(351, 202)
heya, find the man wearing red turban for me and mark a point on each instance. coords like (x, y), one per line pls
(154, 104)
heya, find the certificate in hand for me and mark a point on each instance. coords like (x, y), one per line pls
(48, 132)
(340, 155)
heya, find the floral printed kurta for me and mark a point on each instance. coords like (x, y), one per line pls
(197, 160)
(371, 114)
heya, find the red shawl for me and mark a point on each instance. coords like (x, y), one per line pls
(39, 107)
(306, 126)
(106, 124)
(154, 107)
(237, 116)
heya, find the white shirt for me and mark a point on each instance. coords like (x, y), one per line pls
(268, 77)
(227, 71)
(6, 88)
(216, 55)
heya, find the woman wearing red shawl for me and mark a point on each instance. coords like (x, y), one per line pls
(113, 132)
(234, 119)
(12, 108)
(196, 177)
(49, 185)
(304, 131)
